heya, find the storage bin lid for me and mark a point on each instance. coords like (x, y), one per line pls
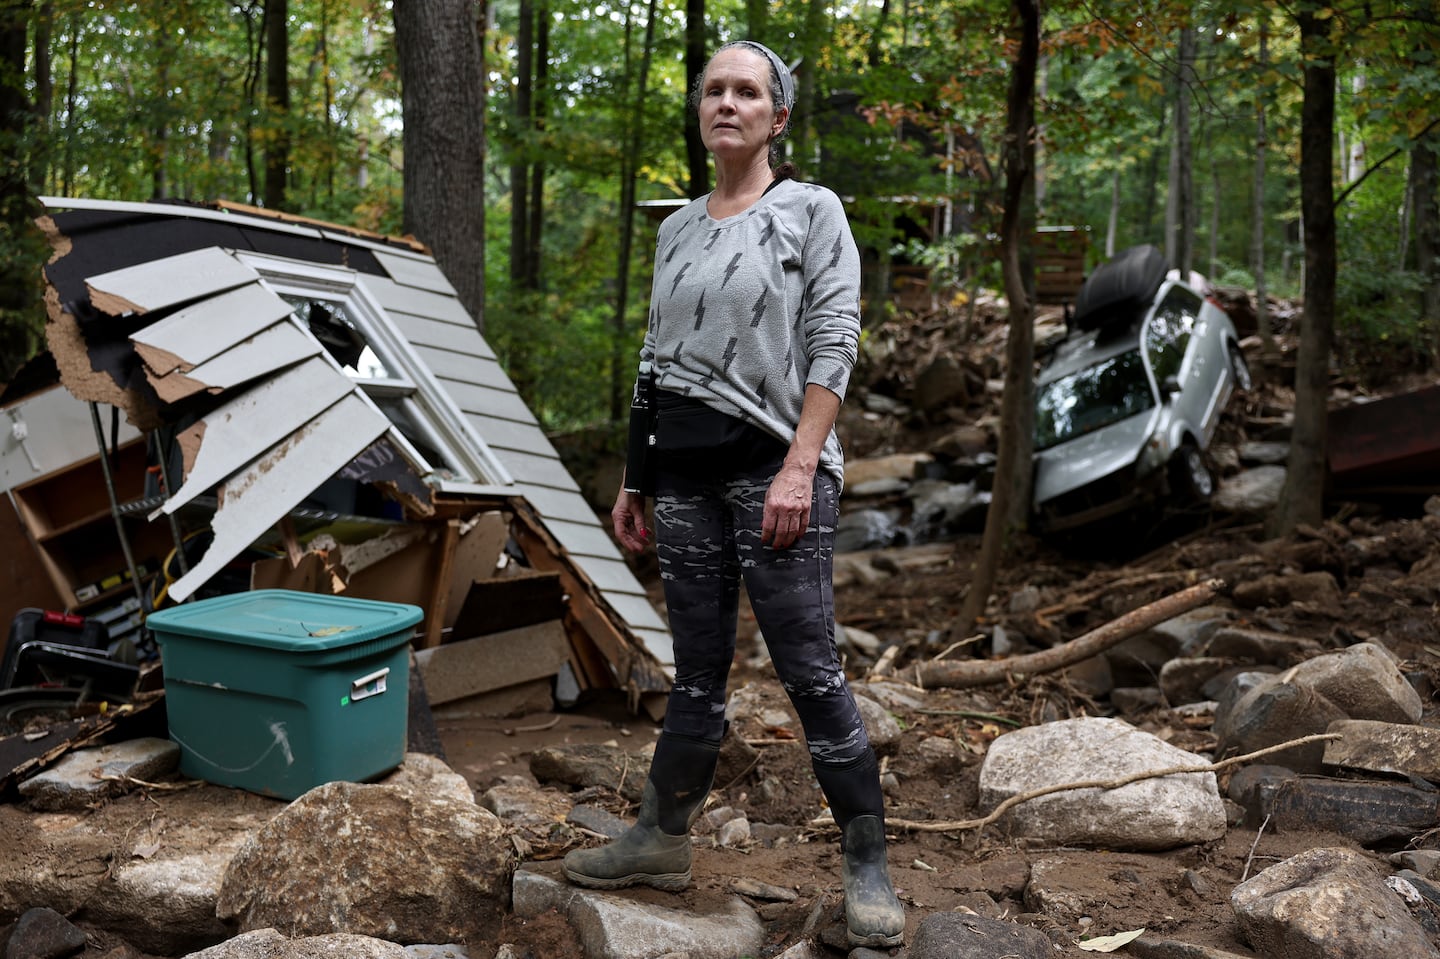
(286, 619)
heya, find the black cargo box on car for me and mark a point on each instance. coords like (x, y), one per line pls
(1119, 289)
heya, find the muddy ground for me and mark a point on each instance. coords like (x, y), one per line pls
(1182, 894)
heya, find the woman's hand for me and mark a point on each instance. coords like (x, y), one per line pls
(787, 506)
(628, 518)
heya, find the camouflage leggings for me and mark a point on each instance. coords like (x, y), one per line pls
(707, 536)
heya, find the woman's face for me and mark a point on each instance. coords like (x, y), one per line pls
(737, 116)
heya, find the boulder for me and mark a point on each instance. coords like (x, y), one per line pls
(1326, 903)
(1364, 681)
(392, 862)
(1150, 814)
(958, 935)
(1272, 712)
(270, 944)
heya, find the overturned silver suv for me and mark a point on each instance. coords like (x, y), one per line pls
(1129, 401)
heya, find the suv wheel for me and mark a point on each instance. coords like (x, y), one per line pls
(1241, 369)
(1191, 477)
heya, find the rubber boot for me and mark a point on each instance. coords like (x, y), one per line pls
(656, 850)
(873, 914)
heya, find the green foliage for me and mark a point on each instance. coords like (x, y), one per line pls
(168, 101)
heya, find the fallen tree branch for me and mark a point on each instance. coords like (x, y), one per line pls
(982, 672)
(920, 825)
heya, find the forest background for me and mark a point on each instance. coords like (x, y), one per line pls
(533, 144)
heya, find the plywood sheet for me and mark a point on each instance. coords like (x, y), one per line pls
(466, 668)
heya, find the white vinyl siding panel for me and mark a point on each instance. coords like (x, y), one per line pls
(170, 281)
(561, 504)
(485, 403)
(206, 329)
(584, 539)
(537, 470)
(510, 435)
(417, 302)
(414, 271)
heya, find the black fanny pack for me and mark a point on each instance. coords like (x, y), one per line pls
(690, 435)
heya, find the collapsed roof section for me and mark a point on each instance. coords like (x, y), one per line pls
(278, 354)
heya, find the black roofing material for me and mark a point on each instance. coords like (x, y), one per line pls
(1120, 289)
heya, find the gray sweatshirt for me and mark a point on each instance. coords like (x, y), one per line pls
(747, 311)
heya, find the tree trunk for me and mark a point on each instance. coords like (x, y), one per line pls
(19, 270)
(1257, 203)
(807, 89)
(695, 56)
(160, 129)
(519, 160)
(1112, 222)
(1303, 496)
(539, 103)
(622, 364)
(1180, 202)
(443, 102)
(44, 99)
(1355, 154)
(1010, 493)
(1427, 232)
(1152, 177)
(277, 101)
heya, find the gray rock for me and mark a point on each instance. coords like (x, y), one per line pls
(519, 801)
(857, 639)
(865, 529)
(882, 728)
(86, 776)
(1261, 646)
(1183, 679)
(941, 510)
(1090, 677)
(42, 933)
(448, 950)
(1252, 492)
(734, 833)
(384, 861)
(1136, 699)
(1364, 681)
(1326, 903)
(1422, 861)
(1150, 814)
(943, 383)
(616, 926)
(1147, 948)
(1403, 749)
(964, 442)
(1138, 660)
(1274, 712)
(592, 764)
(1259, 451)
(1188, 632)
(431, 775)
(1368, 812)
(597, 820)
(1315, 589)
(956, 935)
(271, 944)
(155, 885)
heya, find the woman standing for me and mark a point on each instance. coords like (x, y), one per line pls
(753, 331)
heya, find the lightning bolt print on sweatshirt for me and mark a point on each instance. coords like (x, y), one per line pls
(725, 292)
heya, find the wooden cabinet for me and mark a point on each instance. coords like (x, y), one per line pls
(67, 514)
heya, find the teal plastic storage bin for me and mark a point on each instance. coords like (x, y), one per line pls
(278, 692)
